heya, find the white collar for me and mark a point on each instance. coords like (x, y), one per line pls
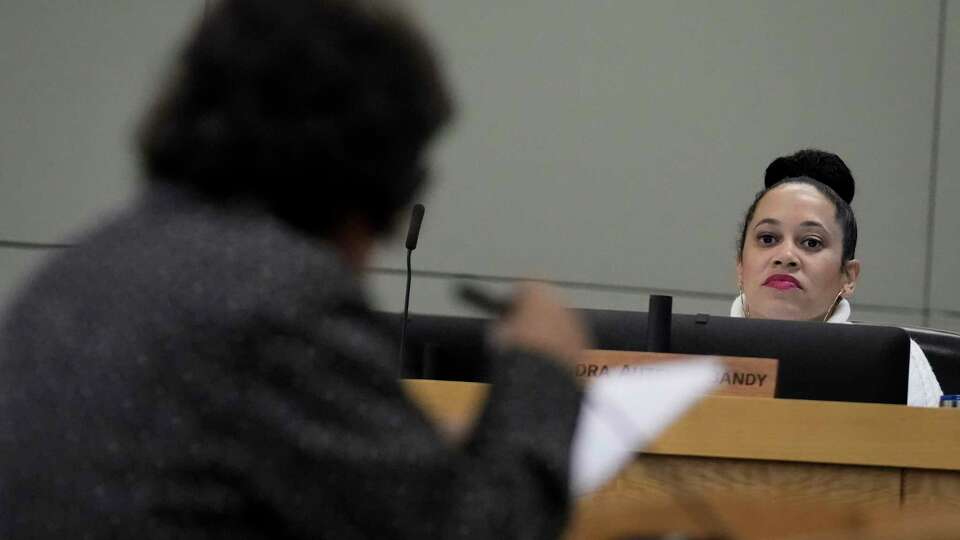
(840, 315)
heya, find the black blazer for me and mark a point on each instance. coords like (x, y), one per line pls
(191, 371)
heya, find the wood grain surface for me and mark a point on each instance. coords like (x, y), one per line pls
(766, 429)
(660, 479)
(879, 458)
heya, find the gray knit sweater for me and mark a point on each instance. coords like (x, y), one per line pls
(194, 371)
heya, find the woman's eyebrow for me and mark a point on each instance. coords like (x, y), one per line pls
(813, 224)
(767, 221)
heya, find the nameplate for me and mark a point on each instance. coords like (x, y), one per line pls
(742, 376)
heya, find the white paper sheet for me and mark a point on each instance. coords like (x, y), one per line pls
(621, 414)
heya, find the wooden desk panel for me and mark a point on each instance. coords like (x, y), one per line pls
(870, 456)
(756, 519)
(661, 479)
(816, 432)
(931, 489)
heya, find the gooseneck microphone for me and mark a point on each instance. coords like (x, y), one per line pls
(413, 235)
(413, 232)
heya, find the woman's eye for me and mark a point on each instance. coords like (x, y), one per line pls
(812, 243)
(766, 239)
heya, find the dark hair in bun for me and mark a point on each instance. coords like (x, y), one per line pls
(824, 167)
(824, 171)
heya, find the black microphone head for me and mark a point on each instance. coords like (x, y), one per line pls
(413, 233)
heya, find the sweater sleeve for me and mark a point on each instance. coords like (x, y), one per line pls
(328, 445)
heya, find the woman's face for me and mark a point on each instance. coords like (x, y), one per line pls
(790, 267)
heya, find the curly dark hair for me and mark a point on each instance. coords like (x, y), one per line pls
(319, 109)
(824, 171)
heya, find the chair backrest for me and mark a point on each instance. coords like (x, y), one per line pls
(942, 348)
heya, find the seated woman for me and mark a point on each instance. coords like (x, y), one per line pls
(795, 255)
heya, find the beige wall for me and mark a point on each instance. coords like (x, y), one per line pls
(945, 267)
(612, 145)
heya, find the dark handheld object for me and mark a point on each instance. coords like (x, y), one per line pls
(483, 299)
(659, 316)
(413, 232)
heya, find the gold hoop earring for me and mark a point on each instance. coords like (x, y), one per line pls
(743, 301)
(833, 306)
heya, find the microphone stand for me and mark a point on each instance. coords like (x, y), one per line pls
(406, 315)
(413, 234)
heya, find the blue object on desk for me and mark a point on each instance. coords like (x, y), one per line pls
(950, 401)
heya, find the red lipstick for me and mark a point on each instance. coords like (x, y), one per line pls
(782, 282)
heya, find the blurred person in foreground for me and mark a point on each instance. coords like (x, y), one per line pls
(205, 364)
